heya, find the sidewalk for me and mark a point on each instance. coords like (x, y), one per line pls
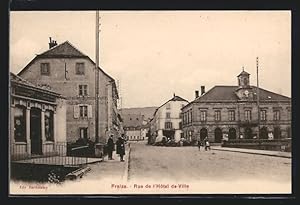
(109, 169)
(254, 151)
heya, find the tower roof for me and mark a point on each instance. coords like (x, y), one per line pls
(243, 73)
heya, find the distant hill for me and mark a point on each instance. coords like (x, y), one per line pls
(146, 112)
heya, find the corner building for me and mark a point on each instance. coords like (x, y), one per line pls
(67, 71)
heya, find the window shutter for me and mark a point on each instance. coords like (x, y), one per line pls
(90, 111)
(76, 111)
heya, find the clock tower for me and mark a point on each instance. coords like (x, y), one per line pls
(244, 91)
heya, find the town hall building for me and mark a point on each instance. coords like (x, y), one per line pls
(232, 111)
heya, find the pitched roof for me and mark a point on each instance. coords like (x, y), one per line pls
(65, 49)
(146, 112)
(175, 98)
(132, 120)
(227, 93)
(243, 73)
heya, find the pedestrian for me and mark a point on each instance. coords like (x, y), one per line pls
(199, 144)
(121, 148)
(206, 144)
(110, 147)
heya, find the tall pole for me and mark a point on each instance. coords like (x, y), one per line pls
(257, 92)
(97, 80)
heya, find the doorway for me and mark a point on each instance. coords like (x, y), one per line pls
(203, 134)
(263, 133)
(248, 133)
(218, 135)
(232, 134)
(35, 131)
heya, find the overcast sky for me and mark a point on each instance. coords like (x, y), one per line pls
(154, 54)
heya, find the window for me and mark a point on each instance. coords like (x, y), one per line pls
(276, 115)
(168, 125)
(217, 115)
(83, 90)
(20, 124)
(49, 126)
(83, 111)
(180, 125)
(263, 115)
(168, 115)
(231, 115)
(289, 117)
(248, 115)
(168, 106)
(83, 132)
(45, 69)
(79, 68)
(203, 115)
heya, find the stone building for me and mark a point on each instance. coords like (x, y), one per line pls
(166, 120)
(66, 70)
(232, 111)
(37, 120)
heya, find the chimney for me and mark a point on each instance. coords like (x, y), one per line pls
(52, 43)
(202, 90)
(196, 93)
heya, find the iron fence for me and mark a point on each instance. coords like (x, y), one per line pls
(49, 153)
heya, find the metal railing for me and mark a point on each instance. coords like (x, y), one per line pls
(49, 153)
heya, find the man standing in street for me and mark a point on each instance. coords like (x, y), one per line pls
(110, 147)
(121, 148)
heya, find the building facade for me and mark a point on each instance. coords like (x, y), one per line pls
(235, 112)
(133, 127)
(166, 120)
(37, 120)
(66, 70)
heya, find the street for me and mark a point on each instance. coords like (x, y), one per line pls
(189, 164)
(180, 170)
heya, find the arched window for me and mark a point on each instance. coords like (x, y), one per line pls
(218, 135)
(277, 133)
(203, 133)
(263, 133)
(232, 134)
(248, 133)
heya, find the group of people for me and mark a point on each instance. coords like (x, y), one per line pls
(120, 144)
(204, 143)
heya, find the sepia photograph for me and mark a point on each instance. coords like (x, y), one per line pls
(110, 102)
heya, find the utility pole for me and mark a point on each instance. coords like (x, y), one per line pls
(97, 80)
(257, 97)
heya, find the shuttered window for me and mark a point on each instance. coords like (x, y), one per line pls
(83, 111)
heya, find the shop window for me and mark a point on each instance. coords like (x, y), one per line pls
(20, 124)
(49, 132)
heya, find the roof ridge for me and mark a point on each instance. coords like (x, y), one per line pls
(56, 46)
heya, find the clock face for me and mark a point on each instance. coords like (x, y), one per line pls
(246, 92)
